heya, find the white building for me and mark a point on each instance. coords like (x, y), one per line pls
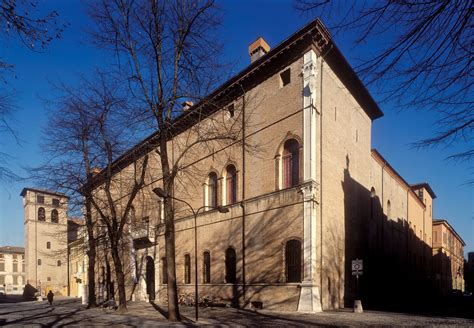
(12, 270)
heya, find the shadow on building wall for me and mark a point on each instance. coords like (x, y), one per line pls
(397, 271)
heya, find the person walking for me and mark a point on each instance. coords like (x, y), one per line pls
(50, 297)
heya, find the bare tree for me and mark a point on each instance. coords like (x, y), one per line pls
(113, 201)
(74, 147)
(19, 20)
(168, 51)
(424, 61)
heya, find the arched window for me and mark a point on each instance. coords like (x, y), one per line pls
(230, 266)
(59, 262)
(164, 270)
(231, 184)
(41, 214)
(54, 216)
(290, 163)
(48, 245)
(206, 268)
(187, 269)
(39, 261)
(212, 190)
(293, 261)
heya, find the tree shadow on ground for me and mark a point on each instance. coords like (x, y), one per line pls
(184, 320)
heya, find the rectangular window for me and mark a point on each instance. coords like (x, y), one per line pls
(445, 238)
(2, 266)
(2, 280)
(15, 280)
(40, 199)
(23, 267)
(435, 237)
(285, 77)
(15, 267)
(14, 256)
(55, 202)
(207, 268)
(187, 269)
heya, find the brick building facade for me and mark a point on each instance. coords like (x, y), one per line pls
(309, 197)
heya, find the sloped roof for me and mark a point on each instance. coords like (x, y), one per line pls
(313, 34)
(43, 191)
(426, 186)
(446, 223)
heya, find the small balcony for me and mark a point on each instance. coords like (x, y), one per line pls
(142, 236)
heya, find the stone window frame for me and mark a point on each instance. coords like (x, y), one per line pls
(208, 269)
(41, 214)
(54, 216)
(187, 271)
(278, 159)
(224, 184)
(206, 185)
(284, 273)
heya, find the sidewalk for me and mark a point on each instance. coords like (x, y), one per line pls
(226, 317)
(70, 312)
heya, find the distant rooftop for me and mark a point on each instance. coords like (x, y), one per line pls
(446, 223)
(44, 191)
(12, 250)
(426, 186)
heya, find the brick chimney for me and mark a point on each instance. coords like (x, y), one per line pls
(95, 170)
(258, 49)
(187, 105)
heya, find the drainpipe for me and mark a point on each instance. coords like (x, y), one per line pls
(242, 203)
(68, 282)
(321, 172)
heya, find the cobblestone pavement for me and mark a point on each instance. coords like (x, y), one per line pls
(69, 312)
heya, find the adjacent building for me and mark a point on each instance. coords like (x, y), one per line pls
(77, 257)
(46, 238)
(12, 270)
(397, 235)
(448, 258)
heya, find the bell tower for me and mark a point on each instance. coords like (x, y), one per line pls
(46, 239)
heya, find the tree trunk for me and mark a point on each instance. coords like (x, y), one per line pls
(173, 308)
(170, 248)
(91, 253)
(120, 277)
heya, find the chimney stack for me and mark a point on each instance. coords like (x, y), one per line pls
(95, 170)
(258, 49)
(187, 105)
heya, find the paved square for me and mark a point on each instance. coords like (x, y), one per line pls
(69, 312)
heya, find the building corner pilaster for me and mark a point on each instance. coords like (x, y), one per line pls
(310, 297)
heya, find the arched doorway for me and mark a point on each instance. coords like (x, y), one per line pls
(150, 278)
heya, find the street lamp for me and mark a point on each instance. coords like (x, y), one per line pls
(161, 193)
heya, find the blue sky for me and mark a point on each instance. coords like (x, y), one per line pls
(243, 21)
